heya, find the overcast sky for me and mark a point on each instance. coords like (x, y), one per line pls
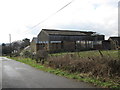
(17, 17)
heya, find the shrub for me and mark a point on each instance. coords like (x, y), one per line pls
(41, 56)
(27, 54)
(95, 66)
(16, 54)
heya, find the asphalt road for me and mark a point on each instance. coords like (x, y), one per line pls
(19, 75)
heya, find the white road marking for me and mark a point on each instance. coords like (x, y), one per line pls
(4, 58)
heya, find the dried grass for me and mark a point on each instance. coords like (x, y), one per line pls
(96, 66)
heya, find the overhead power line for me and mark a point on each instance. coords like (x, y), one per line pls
(53, 14)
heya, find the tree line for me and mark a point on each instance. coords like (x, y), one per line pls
(15, 47)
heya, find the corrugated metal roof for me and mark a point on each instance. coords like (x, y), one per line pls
(66, 32)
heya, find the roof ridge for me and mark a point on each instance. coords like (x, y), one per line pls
(67, 30)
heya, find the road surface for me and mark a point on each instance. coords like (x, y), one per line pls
(0, 73)
(19, 75)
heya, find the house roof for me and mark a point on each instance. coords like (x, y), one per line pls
(66, 32)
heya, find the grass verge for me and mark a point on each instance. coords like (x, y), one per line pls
(76, 76)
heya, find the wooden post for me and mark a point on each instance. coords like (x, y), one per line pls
(75, 46)
(85, 44)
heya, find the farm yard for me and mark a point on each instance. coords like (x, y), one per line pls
(98, 67)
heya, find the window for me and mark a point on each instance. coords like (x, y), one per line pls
(55, 41)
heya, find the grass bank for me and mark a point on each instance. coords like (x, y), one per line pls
(85, 77)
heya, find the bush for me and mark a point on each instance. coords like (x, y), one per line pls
(27, 54)
(16, 54)
(41, 56)
(95, 66)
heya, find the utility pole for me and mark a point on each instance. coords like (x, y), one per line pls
(10, 44)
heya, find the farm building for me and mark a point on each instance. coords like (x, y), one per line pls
(106, 45)
(67, 40)
(33, 45)
(114, 43)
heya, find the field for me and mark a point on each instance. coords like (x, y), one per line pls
(111, 53)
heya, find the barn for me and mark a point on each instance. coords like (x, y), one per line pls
(33, 45)
(53, 40)
(114, 43)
